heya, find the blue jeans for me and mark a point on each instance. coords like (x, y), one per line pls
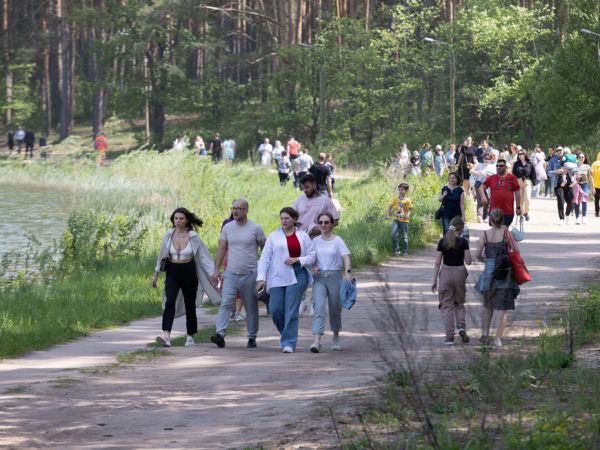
(284, 304)
(402, 229)
(585, 189)
(326, 292)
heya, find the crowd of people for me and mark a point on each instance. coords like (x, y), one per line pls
(303, 251)
(560, 172)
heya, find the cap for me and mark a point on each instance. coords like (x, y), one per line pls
(415, 153)
(438, 147)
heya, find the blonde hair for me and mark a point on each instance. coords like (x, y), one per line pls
(457, 225)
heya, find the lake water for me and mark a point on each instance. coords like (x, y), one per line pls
(28, 210)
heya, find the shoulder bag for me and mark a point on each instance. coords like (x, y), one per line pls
(519, 270)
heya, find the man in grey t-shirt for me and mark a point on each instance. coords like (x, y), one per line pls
(240, 241)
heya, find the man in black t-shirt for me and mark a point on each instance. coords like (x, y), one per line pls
(322, 174)
(216, 148)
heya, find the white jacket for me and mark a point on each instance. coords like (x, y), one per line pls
(271, 266)
(204, 267)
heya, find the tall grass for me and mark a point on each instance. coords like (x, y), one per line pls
(99, 274)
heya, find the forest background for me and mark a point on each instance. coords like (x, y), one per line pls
(524, 71)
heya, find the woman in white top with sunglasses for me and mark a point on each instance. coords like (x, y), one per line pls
(332, 253)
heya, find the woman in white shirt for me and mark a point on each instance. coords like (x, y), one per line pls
(331, 252)
(282, 271)
(188, 264)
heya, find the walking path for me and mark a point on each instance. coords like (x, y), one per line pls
(205, 397)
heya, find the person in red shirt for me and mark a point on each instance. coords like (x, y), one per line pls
(101, 147)
(292, 147)
(504, 191)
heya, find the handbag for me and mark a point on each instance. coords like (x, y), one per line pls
(440, 212)
(519, 270)
(164, 263)
(517, 233)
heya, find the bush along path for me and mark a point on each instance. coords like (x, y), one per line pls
(206, 397)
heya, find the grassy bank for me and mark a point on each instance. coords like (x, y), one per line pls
(543, 395)
(98, 274)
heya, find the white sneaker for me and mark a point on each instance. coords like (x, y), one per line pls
(316, 346)
(287, 349)
(583, 221)
(163, 340)
(577, 221)
(336, 344)
(239, 317)
(189, 342)
(567, 220)
(498, 342)
(561, 222)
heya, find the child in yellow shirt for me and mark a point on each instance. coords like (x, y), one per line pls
(400, 210)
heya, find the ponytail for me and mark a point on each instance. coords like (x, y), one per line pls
(454, 231)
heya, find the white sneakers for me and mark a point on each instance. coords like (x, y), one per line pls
(583, 221)
(315, 346)
(287, 349)
(336, 344)
(238, 317)
(163, 340)
(189, 342)
(561, 222)
(567, 220)
(498, 342)
(577, 221)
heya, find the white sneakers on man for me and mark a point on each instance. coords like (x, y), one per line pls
(287, 349)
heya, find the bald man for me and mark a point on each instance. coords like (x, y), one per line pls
(240, 241)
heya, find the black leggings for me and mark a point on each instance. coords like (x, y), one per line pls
(563, 199)
(181, 277)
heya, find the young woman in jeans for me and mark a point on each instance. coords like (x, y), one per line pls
(453, 251)
(331, 252)
(452, 199)
(282, 270)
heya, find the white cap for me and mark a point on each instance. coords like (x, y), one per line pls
(519, 148)
(438, 147)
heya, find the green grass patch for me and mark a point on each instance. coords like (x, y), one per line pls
(142, 356)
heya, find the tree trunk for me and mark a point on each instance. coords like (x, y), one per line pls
(64, 69)
(46, 94)
(8, 76)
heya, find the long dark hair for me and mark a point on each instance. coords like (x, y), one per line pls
(193, 220)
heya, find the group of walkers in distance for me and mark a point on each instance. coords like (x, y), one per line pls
(25, 139)
(561, 173)
(290, 160)
(302, 251)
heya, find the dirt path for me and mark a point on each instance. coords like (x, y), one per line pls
(236, 397)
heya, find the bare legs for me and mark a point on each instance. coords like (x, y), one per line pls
(486, 319)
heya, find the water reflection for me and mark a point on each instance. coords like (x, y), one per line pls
(32, 210)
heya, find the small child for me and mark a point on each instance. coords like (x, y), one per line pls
(283, 168)
(569, 163)
(400, 207)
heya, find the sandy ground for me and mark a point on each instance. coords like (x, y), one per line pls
(235, 397)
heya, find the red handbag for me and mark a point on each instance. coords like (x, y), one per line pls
(519, 270)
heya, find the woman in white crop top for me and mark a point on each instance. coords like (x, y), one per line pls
(187, 259)
(332, 253)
